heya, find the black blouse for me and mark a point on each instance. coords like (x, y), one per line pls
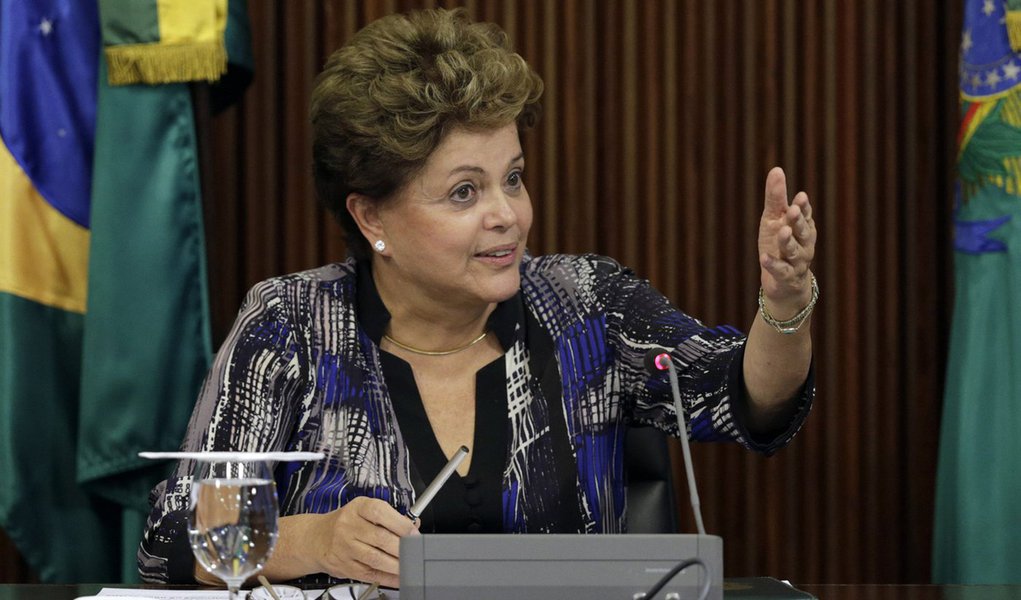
(470, 504)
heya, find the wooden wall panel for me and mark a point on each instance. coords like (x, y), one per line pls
(661, 120)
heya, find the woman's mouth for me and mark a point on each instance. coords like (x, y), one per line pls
(499, 256)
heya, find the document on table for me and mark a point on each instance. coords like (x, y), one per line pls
(161, 594)
(168, 594)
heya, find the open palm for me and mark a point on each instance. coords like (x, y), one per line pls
(787, 235)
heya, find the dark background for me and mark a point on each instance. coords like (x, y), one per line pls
(661, 120)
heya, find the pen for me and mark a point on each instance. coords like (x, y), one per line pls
(416, 509)
(268, 587)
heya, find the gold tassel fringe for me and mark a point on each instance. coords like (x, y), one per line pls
(166, 63)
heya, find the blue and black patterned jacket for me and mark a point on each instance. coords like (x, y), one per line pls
(299, 371)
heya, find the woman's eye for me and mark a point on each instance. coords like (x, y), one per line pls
(514, 179)
(463, 193)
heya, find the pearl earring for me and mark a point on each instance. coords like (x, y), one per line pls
(380, 245)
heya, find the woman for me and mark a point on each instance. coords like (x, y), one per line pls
(441, 331)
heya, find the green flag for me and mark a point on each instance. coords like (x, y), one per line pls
(146, 342)
(978, 498)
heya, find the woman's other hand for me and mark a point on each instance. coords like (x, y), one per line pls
(786, 248)
(776, 365)
(361, 540)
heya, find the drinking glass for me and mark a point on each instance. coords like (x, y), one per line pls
(232, 522)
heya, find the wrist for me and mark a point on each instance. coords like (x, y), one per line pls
(313, 533)
(298, 550)
(786, 308)
(789, 317)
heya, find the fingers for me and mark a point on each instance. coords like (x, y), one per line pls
(776, 193)
(801, 201)
(368, 574)
(375, 562)
(384, 539)
(789, 247)
(776, 205)
(790, 225)
(791, 256)
(366, 541)
(382, 514)
(792, 249)
(780, 269)
(798, 217)
(787, 238)
(799, 225)
(389, 526)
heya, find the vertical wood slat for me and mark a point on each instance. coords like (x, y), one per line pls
(670, 196)
(849, 295)
(590, 184)
(649, 168)
(805, 516)
(299, 54)
(868, 506)
(890, 295)
(829, 328)
(263, 239)
(548, 165)
(662, 118)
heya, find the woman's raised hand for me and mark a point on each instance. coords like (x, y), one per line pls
(786, 247)
(361, 541)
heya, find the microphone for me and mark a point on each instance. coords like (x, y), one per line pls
(656, 360)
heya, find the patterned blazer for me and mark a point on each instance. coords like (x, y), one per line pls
(299, 372)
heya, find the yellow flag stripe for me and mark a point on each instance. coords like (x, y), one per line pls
(44, 256)
(191, 21)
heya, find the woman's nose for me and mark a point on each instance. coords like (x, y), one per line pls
(501, 213)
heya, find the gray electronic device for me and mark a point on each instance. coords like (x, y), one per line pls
(556, 566)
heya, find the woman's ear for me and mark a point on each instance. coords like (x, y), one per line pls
(365, 211)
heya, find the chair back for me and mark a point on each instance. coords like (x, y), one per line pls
(651, 505)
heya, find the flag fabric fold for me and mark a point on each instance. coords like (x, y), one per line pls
(978, 495)
(146, 342)
(103, 300)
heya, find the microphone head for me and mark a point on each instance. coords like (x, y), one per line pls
(657, 359)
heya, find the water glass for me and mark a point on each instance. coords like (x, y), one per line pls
(232, 522)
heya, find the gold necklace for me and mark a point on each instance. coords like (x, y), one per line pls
(435, 352)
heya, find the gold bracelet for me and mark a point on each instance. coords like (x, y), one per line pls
(792, 325)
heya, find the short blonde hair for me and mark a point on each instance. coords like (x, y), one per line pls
(387, 98)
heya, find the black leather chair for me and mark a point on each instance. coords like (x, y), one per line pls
(652, 507)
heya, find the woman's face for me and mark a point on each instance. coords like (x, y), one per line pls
(457, 231)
